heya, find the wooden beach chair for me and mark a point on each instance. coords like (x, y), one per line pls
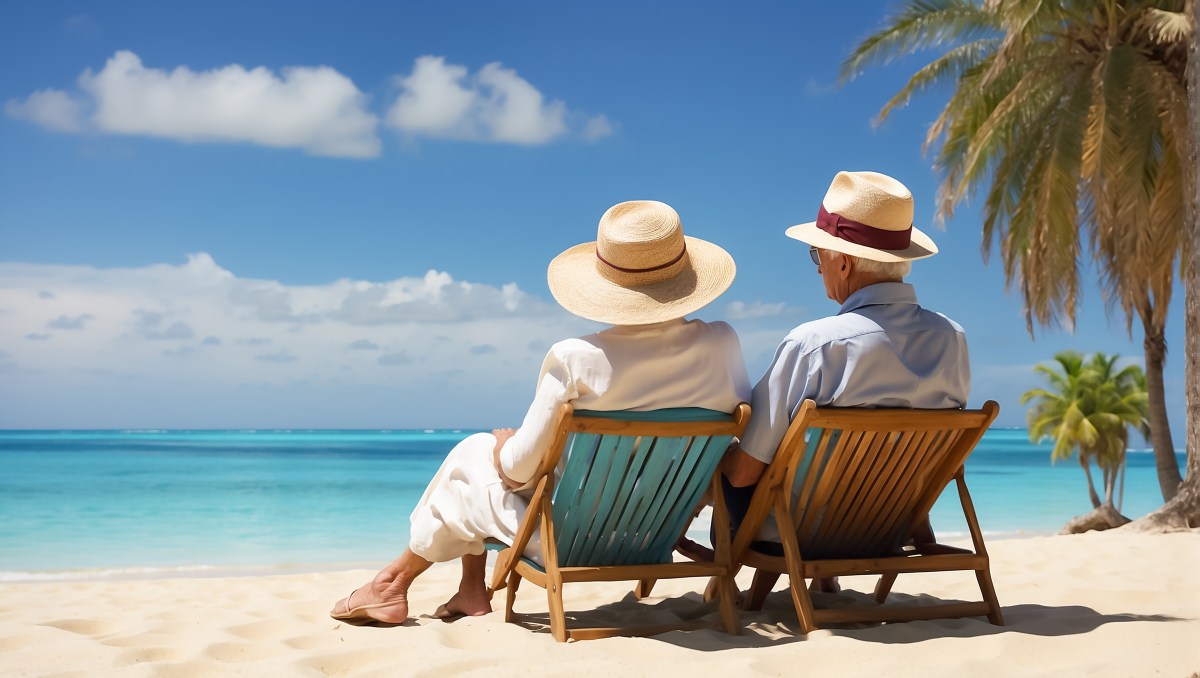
(851, 491)
(628, 491)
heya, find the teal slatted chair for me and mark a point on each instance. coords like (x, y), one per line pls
(628, 489)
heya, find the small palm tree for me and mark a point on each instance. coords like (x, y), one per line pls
(1087, 410)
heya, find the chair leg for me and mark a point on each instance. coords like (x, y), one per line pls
(884, 586)
(514, 581)
(558, 614)
(644, 586)
(762, 584)
(501, 569)
(795, 570)
(989, 594)
(728, 605)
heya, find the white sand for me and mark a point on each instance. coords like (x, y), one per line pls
(1112, 604)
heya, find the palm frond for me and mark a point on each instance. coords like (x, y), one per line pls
(922, 24)
(1165, 26)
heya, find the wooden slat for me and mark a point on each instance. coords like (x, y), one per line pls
(621, 506)
(857, 566)
(844, 507)
(672, 455)
(647, 428)
(826, 486)
(879, 490)
(899, 520)
(812, 465)
(853, 517)
(653, 480)
(704, 454)
(635, 572)
(576, 511)
(612, 482)
(579, 461)
(899, 419)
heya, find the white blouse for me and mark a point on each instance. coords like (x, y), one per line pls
(678, 363)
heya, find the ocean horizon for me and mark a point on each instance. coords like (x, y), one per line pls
(139, 503)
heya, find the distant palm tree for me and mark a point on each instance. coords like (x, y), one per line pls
(1087, 411)
(1072, 116)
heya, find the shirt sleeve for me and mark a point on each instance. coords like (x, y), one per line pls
(792, 376)
(737, 367)
(522, 454)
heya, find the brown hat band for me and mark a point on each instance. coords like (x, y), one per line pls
(861, 234)
(642, 270)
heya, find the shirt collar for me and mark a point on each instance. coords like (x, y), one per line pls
(880, 293)
(634, 329)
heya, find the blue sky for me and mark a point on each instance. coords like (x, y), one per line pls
(339, 215)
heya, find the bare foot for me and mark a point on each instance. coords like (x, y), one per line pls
(693, 551)
(465, 604)
(825, 585)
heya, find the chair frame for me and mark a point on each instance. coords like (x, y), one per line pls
(875, 460)
(510, 568)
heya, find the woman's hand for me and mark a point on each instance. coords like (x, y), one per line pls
(502, 435)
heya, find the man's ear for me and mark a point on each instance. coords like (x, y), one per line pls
(845, 266)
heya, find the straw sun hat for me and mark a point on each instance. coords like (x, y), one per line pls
(641, 269)
(867, 215)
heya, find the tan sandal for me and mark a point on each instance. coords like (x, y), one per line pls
(361, 615)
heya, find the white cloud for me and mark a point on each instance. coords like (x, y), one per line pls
(597, 128)
(63, 322)
(128, 342)
(51, 108)
(740, 310)
(313, 108)
(443, 100)
(817, 90)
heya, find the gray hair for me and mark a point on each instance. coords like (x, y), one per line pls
(879, 269)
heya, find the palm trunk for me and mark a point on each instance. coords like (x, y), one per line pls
(1121, 494)
(1184, 510)
(1155, 346)
(1087, 469)
(1110, 482)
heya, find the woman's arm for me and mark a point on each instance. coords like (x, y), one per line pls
(502, 435)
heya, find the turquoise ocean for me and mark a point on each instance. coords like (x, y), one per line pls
(85, 504)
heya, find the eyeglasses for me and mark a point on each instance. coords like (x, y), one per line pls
(815, 254)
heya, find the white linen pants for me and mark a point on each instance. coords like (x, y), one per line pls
(465, 503)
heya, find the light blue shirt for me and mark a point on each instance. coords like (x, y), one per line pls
(880, 350)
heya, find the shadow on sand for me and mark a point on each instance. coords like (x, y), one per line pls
(776, 623)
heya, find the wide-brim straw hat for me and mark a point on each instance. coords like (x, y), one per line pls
(641, 269)
(867, 215)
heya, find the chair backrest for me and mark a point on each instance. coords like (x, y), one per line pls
(862, 480)
(632, 480)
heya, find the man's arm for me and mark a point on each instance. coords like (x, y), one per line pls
(740, 468)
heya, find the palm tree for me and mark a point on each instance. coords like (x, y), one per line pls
(1086, 411)
(1184, 510)
(1072, 116)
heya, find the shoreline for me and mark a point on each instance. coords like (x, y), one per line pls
(1093, 604)
(136, 572)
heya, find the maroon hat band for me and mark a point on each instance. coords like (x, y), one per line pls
(861, 234)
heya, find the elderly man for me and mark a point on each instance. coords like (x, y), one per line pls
(881, 349)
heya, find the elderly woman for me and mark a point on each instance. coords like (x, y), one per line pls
(642, 275)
